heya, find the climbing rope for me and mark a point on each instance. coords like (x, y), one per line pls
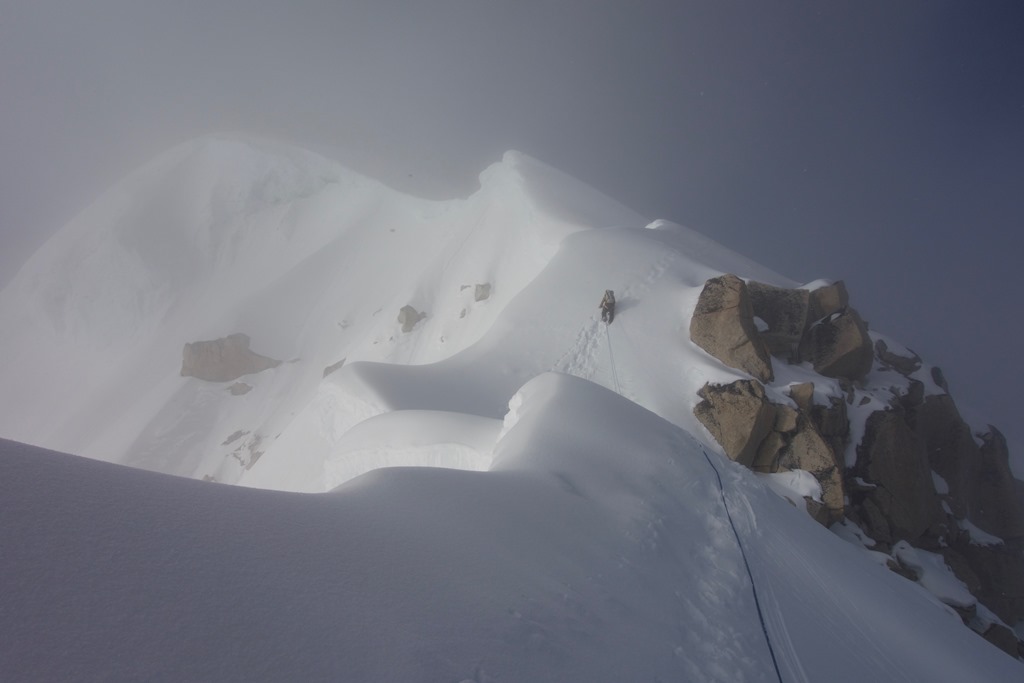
(611, 357)
(743, 554)
(728, 514)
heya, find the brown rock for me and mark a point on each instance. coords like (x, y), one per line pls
(807, 450)
(723, 325)
(223, 360)
(833, 423)
(738, 415)
(831, 420)
(767, 458)
(827, 300)
(785, 418)
(803, 395)
(769, 437)
(839, 346)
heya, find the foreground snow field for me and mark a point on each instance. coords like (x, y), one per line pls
(595, 549)
(492, 487)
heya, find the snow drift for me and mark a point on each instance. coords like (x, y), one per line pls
(595, 549)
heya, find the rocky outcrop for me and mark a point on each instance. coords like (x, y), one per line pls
(971, 510)
(893, 496)
(981, 485)
(738, 415)
(223, 360)
(1001, 512)
(833, 423)
(827, 300)
(408, 317)
(482, 291)
(795, 444)
(772, 437)
(239, 389)
(723, 325)
(905, 365)
(816, 326)
(897, 500)
(1003, 638)
(798, 324)
(805, 449)
(983, 492)
(839, 346)
(803, 395)
(1000, 575)
(785, 313)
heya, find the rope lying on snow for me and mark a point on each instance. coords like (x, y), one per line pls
(743, 554)
(611, 356)
(728, 514)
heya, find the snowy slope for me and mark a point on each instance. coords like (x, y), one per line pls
(584, 537)
(313, 262)
(595, 549)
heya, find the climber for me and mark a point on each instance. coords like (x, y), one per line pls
(608, 306)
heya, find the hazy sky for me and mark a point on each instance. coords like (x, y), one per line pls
(877, 142)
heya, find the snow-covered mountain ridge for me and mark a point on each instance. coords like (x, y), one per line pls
(414, 332)
(313, 263)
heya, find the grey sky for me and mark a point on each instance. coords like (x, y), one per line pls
(878, 142)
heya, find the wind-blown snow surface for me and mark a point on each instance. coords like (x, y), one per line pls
(313, 263)
(595, 549)
(590, 542)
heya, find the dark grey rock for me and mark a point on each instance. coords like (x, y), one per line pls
(784, 311)
(408, 317)
(893, 458)
(902, 364)
(334, 366)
